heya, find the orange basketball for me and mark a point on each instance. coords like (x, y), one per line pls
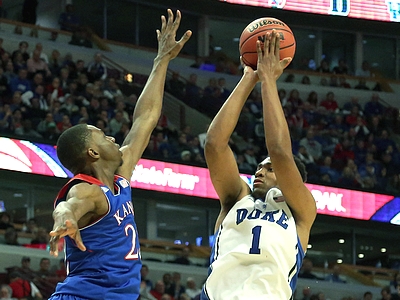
(257, 30)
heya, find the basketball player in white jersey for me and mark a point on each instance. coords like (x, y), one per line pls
(261, 235)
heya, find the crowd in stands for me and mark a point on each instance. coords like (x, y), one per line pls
(350, 145)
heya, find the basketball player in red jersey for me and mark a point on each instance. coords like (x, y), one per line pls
(93, 211)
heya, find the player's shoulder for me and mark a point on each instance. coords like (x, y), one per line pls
(84, 190)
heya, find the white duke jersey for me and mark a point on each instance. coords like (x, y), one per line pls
(257, 253)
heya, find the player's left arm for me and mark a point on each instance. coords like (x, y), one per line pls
(148, 108)
(278, 141)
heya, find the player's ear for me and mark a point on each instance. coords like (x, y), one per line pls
(93, 153)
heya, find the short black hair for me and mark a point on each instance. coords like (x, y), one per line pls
(301, 167)
(71, 147)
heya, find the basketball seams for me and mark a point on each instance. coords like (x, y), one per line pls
(264, 30)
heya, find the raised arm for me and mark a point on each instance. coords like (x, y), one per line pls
(221, 162)
(84, 203)
(278, 142)
(148, 108)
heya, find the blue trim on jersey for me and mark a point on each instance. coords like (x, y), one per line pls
(204, 294)
(299, 261)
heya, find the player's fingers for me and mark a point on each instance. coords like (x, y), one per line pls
(54, 245)
(185, 37)
(177, 19)
(259, 49)
(272, 43)
(170, 17)
(158, 34)
(267, 42)
(277, 44)
(163, 23)
(78, 241)
(285, 62)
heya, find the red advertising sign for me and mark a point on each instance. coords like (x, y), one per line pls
(35, 158)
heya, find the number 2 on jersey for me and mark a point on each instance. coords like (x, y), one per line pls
(133, 253)
(255, 243)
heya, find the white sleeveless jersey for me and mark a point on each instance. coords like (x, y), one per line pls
(257, 254)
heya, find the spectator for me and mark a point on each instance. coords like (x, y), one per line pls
(20, 83)
(361, 85)
(143, 275)
(330, 104)
(335, 275)
(116, 123)
(81, 37)
(184, 258)
(191, 289)
(175, 86)
(23, 49)
(43, 56)
(374, 107)
(193, 92)
(365, 70)
(22, 288)
(54, 63)
(45, 280)
(11, 237)
(5, 220)
(323, 67)
(159, 290)
(348, 106)
(348, 179)
(68, 20)
(367, 296)
(306, 270)
(176, 288)
(6, 292)
(97, 69)
(341, 68)
(313, 147)
(112, 91)
(35, 64)
(41, 237)
(27, 130)
(343, 83)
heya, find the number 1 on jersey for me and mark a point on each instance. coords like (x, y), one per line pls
(255, 243)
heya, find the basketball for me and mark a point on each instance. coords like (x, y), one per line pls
(257, 30)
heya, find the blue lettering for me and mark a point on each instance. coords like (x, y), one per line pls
(282, 220)
(269, 216)
(255, 214)
(240, 215)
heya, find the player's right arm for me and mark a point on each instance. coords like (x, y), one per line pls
(220, 159)
(84, 203)
(278, 141)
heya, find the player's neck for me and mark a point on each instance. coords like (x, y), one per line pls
(103, 173)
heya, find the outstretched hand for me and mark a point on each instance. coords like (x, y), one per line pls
(269, 63)
(167, 45)
(61, 229)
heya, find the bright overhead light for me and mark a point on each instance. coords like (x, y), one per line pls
(311, 36)
(309, 246)
(339, 261)
(361, 255)
(236, 39)
(383, 250)
(341, 241)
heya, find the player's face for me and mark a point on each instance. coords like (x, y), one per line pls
(264, 178)
(108, 149)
